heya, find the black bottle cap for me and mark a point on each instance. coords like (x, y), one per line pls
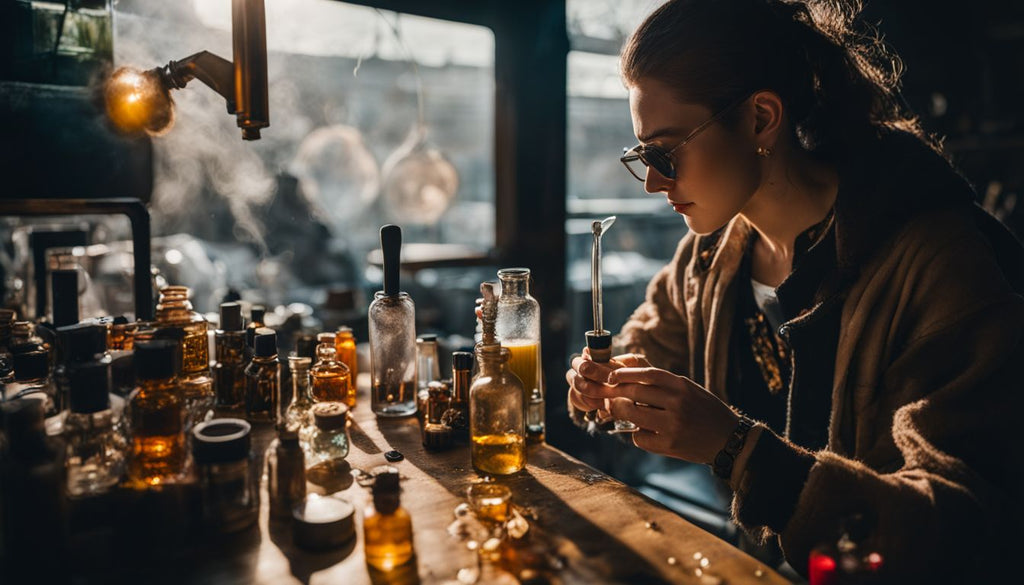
(156, 359)
(230, 317)
(329, 416)
(90, 387)
(462, 360)
(387, 482)
(64, 296)
(120, 320)
(305, 346)
(24, 346)
(31, 365)
(391, 247)
(82, 341)
(257, 313)
(265, 344)
(221, 440)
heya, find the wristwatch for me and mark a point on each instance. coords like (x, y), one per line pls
(724, 460)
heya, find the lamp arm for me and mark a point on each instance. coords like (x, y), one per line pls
(214, 71)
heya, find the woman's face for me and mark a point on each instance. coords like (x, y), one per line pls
(717, 172)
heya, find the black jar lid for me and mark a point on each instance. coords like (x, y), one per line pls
(81, 341)
(387, 482)
(329, 416)
(221, 440)
(90, 387)
(31, 365)
(156, 359)
(265, 343)
(462, 360)
(230, 317)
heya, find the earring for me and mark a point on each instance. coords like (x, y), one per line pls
(764, 151)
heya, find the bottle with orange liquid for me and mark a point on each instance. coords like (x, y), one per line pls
(329, 378)
(157, 416)
(518, 328)
(345, 345)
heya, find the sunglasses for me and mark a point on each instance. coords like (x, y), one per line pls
(642, 156)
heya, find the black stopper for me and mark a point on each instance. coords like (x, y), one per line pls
(391, 247)
(90, 387)
(462, 360)
(221, 440)
(64, 295)
(31, 365)
(265, 343)
(600, 345)
(120, 320)
(257, 313)
(330, 416)
(230, 317)
(156, 359)
(386, 483)
(81, 341)
(305, 346)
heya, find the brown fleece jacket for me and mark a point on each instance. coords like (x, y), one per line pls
(928, 379)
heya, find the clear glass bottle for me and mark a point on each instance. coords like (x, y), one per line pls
(96, 449)
(298, 417)
(428, 370)
(497, 419)
(227, 474)
(31, 376)
(345, 344)
(286, 472)
(174, 310)
(329, 439)
(263, 378)
(457, 415)
(387, 527)
(329, 378)
(156, 414)
(229, 370)
(518, 328)
(392, 323)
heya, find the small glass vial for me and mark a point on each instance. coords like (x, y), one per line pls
(156, 415)
(496, 410)
(256, 316)
(174, 311)
(286, 472)
(518, 328)
(392, 324)
(263, 378)
(95, 448)
(229, 370)
(428, 370)
(387, 527)
(329, 378)
(437, 435)
(227, 475)
(345, 344)
(31, 375)
(298, 416)
(328, 440)
(457, 415)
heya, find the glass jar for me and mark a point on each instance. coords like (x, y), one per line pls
(174, 311)
(496, 415)
(518, 328)
(392, 321)
(329, 439)
(227, 474)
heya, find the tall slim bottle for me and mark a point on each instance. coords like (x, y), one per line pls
(518, 328)
(392, 321)
(229, 371)
(497, 416)
(345, 343)
(263, 378)
(157, 416)
(174, 311)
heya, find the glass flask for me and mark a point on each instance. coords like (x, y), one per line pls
(518, 328)
(174, 311)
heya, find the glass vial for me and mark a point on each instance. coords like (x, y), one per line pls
(95, 447)
(298, 416)
(457, 415)
(329, 378)
(392, 323)
(518, 328)
(387, 527)
(437, 435)
(286, 473)
(156, 415)
(32, 376)
(227, 474)
(496, 403)
(345, 344)
(174, 311)
(427, 370)
(263, 378)
(328, 440)
(229, 370)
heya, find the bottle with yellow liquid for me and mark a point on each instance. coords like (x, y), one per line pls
(174, 311)
(345, 344)
(387, 527)
(518, 328)
(329, 378)
(156, 411)
(497, 421)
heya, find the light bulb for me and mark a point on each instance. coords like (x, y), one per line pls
(137, 101)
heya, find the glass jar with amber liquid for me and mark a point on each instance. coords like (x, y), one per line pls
(387, 527)
(345, 344)
(497, 421)
(156, 414)
(518, 328)
(329, 378)
(174, 311)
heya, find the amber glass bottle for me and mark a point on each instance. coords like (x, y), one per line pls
(174, 311)
(157, 416)
(229, 371)
(329, 378)
(263, 378)
(387, 527)
(345, 344)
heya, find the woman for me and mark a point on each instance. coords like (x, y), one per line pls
(840, 333)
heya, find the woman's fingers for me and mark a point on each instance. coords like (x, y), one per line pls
(592, 370)
(632, 360)
(577, 387)
(642, 415)
(645, 375)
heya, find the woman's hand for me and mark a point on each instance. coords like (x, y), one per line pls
(587, 376)
(677, 417)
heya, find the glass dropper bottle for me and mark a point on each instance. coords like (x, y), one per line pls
(392, 324)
